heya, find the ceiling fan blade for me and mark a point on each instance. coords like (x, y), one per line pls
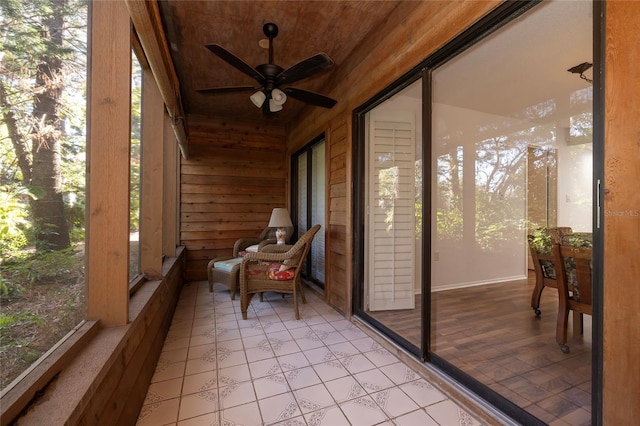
(236, 62)
(310, 97)
(304, 69)
(230, 89)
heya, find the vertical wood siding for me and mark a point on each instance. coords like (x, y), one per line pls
(337, 285)
(622, 215)
(236, 174)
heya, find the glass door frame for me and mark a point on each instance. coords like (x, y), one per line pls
(307, 151)
(358, 206)
(500, 16)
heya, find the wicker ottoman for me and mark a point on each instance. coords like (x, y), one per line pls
(225, 270)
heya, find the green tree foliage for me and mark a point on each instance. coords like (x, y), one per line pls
(42, 176)
(14, 221)
(42, 75)
(499, 176)
(135, 154)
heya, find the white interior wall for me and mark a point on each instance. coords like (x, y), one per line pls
(463, 262)
(575, 177)
(536, 86)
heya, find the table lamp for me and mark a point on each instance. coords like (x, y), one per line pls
(280, 219)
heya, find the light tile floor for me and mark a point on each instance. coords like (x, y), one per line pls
(218, 369)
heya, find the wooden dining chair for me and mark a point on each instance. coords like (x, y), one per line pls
(540, 247)
(574, 279)
(276, 268)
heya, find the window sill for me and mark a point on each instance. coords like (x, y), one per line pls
(24, 388)
(81, 375)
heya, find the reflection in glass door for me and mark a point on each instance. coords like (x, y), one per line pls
(512, 151)
(393, 214)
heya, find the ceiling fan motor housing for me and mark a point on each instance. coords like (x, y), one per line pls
(269, 71)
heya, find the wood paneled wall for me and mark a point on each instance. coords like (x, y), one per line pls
(338, 269)
(235, 176)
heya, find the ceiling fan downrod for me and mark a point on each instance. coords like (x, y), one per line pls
(271, 31)
(269, 70)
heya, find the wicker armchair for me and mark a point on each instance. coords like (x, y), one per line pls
(267, 236)
(274, 269)
(230, 277)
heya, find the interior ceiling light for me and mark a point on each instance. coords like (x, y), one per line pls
(580, 69)
(258, 99)
(276, 98)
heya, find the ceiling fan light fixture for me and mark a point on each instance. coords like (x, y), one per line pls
(258, 98)
(278, 96)
(274, 106)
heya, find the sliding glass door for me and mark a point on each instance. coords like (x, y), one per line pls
(512, 152)
(504, 117)
(393, 214)
(308, 166)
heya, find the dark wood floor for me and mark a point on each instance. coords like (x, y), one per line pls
(491, 333)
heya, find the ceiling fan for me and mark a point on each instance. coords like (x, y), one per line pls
(270, 77)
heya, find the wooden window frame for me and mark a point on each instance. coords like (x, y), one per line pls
(107, 216)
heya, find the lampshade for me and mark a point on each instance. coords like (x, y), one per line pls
(280, 218)
(258, 98)
(278, 97)
(273, 106)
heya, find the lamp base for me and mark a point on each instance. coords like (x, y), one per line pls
(281, 235)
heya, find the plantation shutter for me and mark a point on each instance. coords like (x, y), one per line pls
(391, 211)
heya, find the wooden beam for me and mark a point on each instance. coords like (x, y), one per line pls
(108, 152)
(151, 200)
(171, 205)
(146, 20)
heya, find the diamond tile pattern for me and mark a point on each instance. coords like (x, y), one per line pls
(271, 369)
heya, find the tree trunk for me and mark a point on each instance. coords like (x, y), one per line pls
(52, 230)
(16, 138)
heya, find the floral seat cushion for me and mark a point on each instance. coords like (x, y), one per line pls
(272, 271)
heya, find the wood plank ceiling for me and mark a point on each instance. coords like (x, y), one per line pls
(305, 29)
